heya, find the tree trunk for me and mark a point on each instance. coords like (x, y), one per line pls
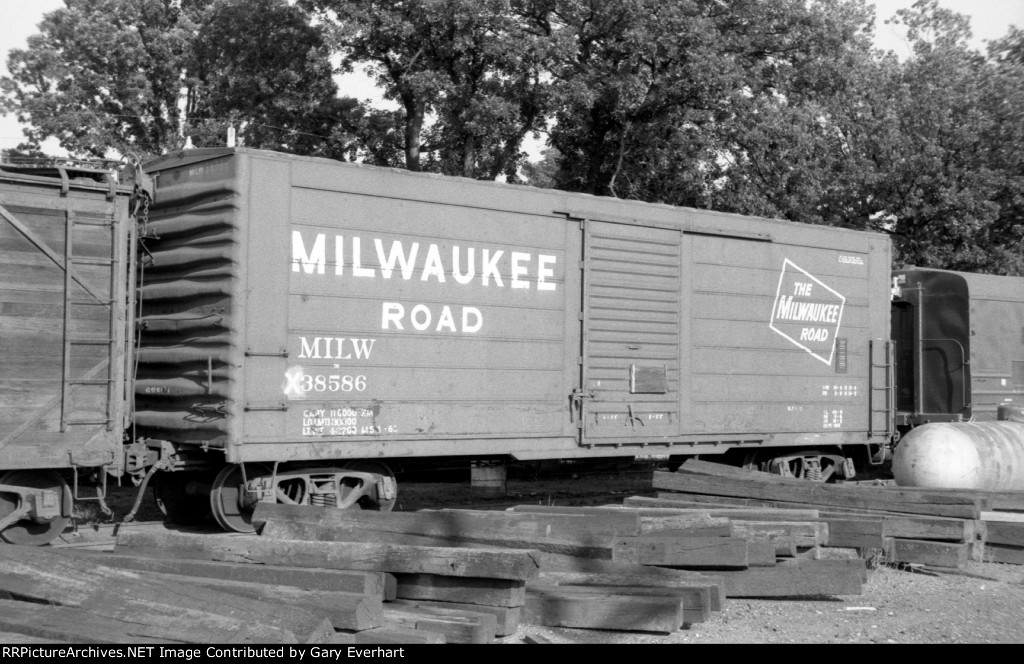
(414, 113)
(469, 157)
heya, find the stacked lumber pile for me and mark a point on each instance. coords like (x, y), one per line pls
(1003, 535)
(938, 528)
(174, 588)
(328, 576)
(759, 554)
(621, 568)
(568, 589)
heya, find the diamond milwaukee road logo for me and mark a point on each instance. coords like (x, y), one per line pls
(807, 312)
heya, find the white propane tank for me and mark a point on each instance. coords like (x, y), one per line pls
(986, 456)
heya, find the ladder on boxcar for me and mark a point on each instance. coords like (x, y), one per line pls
(104, 299)
(882, 397)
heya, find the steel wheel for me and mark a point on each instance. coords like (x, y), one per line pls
(366, 502)
(28, 531)
(227, 500)
(183, 497)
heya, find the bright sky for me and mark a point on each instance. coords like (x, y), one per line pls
(990, 19)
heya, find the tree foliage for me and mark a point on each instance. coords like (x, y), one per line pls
(101, 75)
(779, 108)
(473, 64)
(139, 76)
(260, 66)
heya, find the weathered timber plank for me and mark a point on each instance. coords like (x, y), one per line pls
(445, 561)
(804, 533)
(761, 550)
(855, 533)
(449, 522)
(696, 599)
(993, 500)
(626, 521)
(698, 500)
(566, 607)
(571, 533)
(664, 576)
(801, 578)
(998, 553)
(51, 624)
(913, 526)
(1004, 534)
(698, 587)
(457, 626)
(599, 546)
(507, 617)
(383, 636)
(786, 546)
(344, 610)
(361, 583)
(493, 592)
(935, 554)
(213, 616)
(882, 499)
(691, 552)
(995, 515)
(731, 512)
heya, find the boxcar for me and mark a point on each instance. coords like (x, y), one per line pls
(303, 315)
(960, 345)
(65, 314)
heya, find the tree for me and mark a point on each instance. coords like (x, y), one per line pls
(141, 75)
(951, 176)
(649, 87)
(1005, 151)
(260, 66)
(472, 66)
(102, 75)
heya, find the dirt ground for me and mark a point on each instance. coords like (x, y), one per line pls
(982, 604)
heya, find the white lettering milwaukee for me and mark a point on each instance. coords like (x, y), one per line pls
(391, 259)
(811, 312)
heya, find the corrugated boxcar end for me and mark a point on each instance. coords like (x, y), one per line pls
(187, 290)
(65, 254)
(380, 313)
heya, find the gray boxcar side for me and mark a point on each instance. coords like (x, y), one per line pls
(298, 309)
(997, 348)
